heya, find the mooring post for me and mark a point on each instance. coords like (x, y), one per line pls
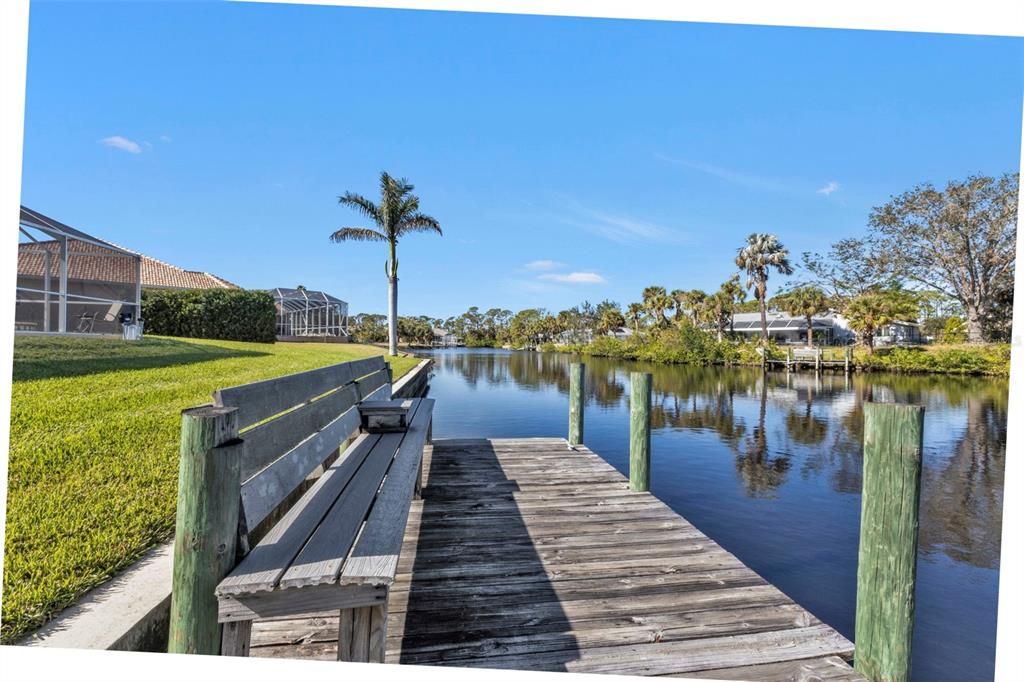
(207, 525)
(640, 431)
(789, 359)
(887, 565)
(817, 361)
(576, 403)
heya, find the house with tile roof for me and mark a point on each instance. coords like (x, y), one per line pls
(70, 281)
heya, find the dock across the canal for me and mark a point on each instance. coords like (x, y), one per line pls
(533, 554)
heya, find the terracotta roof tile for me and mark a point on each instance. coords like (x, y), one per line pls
(110, 266)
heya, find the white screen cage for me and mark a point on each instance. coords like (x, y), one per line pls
(305, 313)
(71, 282)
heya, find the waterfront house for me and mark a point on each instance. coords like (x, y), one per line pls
(829, 329)
(445, 339)
(899, 333)
(72, 282)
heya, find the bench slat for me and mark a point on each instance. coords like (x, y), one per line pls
(374, 559)
(371, 385)
(321, 559)
(265, 491)
(293, 602)
(262, 567)
(266, 443)
(262, 399)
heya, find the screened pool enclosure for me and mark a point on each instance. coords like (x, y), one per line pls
(72, 282)
(309, 314)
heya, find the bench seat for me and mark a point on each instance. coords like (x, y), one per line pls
(337, 547)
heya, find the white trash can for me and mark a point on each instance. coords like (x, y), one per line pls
(132, 331)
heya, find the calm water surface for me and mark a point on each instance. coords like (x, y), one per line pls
(770, 468)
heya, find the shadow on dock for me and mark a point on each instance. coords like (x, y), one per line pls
(477, 582)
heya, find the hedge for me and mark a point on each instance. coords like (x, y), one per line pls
(229, 314)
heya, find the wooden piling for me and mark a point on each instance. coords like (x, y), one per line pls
(640, 432)
(887, 565)
(817, 361)
(576, 403)
(207, 525)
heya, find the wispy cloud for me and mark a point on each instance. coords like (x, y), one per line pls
(122, 143)
(729, 175)
(165, 138)
(616, 227)
(543, 265)
(829, 188)
(573, 278)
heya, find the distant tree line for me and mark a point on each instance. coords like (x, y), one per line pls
(942, 258)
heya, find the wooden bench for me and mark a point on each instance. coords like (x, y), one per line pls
(323, 506)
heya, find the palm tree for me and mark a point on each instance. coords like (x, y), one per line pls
(761, 253)
(695, 302)
(656, 302)
(635, 313)
(610, 320)
(397, 215)
(873, 310)
(734, 292)
(805, 302)
(681, 300)
(714, 309)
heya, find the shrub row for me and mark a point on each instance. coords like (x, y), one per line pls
(230, 314)
(691, 346)
(993, 358)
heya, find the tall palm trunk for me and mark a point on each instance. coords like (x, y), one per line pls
(392, 316)
(761, 290)
(810, 332)
(392, 268)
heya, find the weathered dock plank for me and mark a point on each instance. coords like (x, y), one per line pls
(529, 555)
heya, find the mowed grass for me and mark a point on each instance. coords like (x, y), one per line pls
(93, 461)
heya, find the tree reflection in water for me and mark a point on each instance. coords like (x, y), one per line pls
(770, 422)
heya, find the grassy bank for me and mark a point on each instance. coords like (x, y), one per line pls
(94, 452)
(692, 346)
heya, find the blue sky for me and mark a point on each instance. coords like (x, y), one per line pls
(566, 159)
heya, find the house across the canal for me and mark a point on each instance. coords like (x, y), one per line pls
(829, 329)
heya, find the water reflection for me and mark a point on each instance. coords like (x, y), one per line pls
(780, 425)
(770, 467)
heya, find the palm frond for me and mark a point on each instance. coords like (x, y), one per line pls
(357, 234)
(361, 204)
(419, 222)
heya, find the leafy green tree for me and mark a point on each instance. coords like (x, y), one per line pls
(395, 216)
(960, 241)
(368, 328)
(955, 331)
(806, 302)
(845, 271)
(761, 254)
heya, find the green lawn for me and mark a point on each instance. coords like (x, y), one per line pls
(94, 452)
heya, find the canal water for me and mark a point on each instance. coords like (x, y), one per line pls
(769, 466)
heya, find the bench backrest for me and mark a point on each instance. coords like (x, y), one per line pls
(805, 353)
(292, 424)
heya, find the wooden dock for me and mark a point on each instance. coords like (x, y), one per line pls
(529, 555)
